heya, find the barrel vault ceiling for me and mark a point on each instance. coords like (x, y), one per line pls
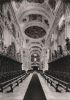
(35, 18)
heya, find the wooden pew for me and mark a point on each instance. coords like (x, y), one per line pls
(10, 83)
(56, 83)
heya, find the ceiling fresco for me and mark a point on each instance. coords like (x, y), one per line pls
(35, 32)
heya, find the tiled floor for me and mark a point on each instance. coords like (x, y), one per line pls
(20, 91)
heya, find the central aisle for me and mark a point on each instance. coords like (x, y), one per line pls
(34, 91)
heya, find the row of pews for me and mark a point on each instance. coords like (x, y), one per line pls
(11, 79)
(58, 74)
(11, 73)
(58, 81)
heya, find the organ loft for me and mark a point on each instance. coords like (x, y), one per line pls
(34, 49)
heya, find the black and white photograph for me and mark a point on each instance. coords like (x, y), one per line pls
(34, 49)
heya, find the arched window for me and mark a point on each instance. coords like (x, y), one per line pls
(35, 57)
